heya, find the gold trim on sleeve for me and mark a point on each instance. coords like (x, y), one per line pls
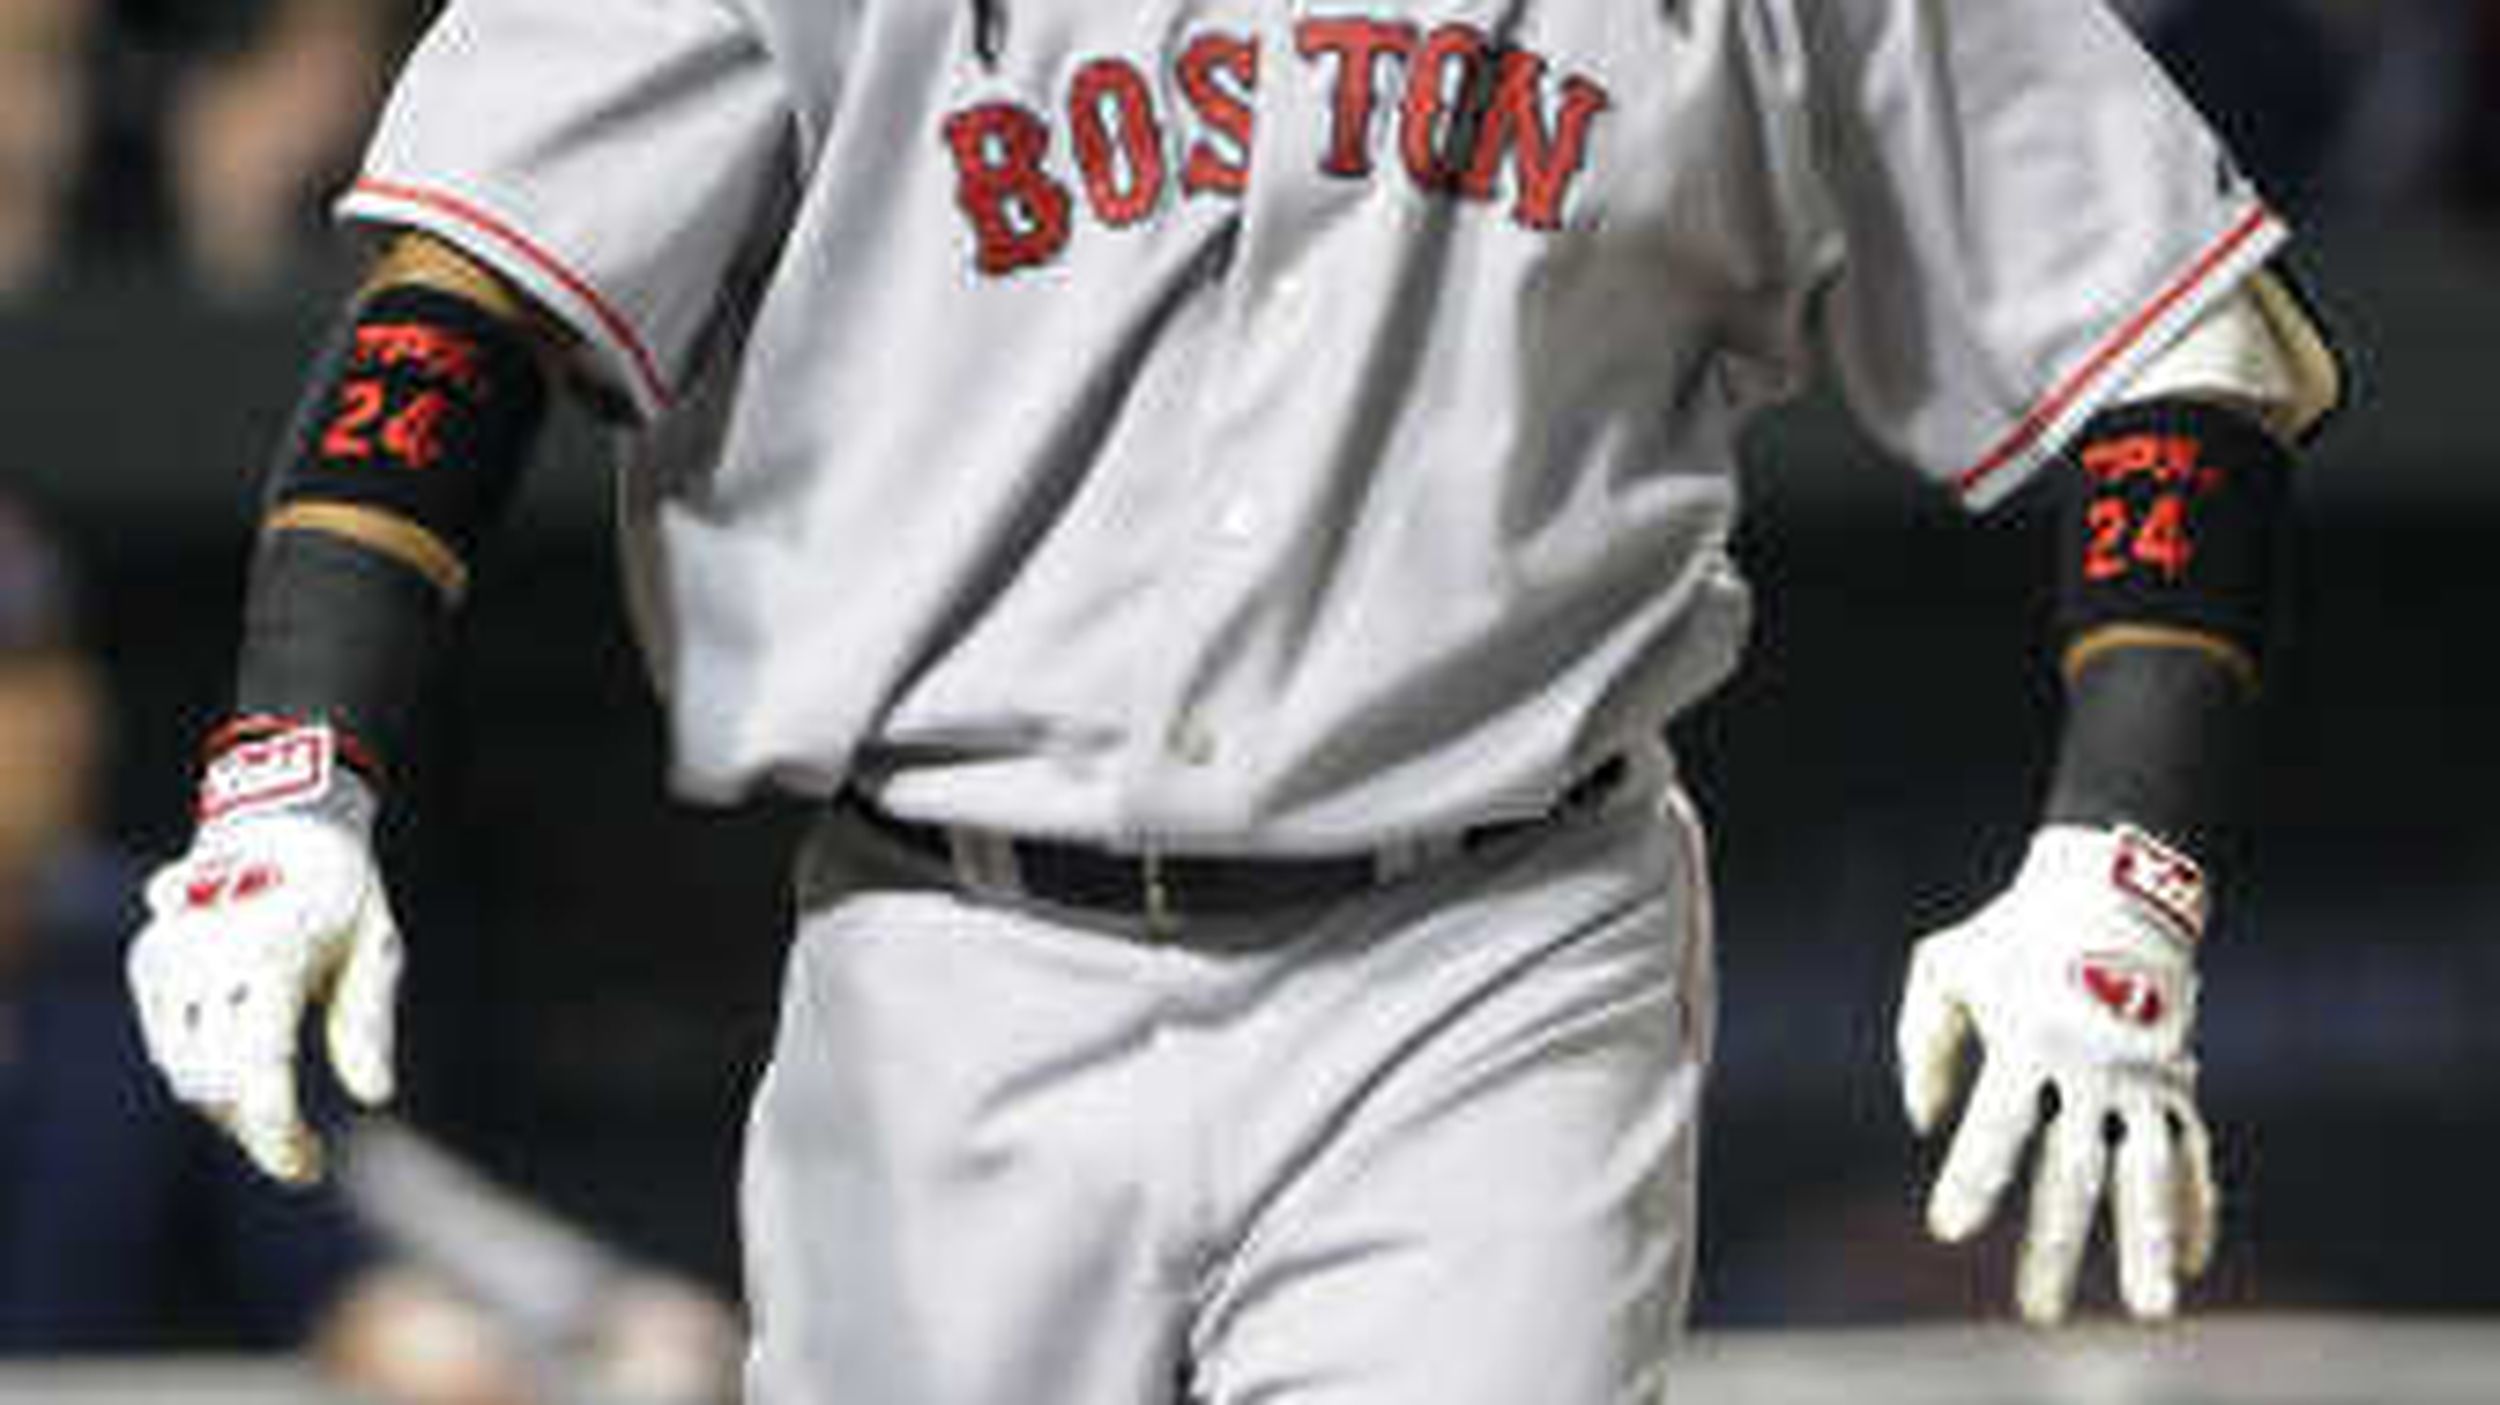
(2093, 644)
(402, 539)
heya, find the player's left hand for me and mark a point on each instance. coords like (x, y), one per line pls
(2079, 981)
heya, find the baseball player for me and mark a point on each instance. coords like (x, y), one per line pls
(1217, 500)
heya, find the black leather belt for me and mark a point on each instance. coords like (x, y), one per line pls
(1178, 885)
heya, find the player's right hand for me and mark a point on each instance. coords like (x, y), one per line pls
(277, 908)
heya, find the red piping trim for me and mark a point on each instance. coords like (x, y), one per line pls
(2098, 363)
(618, 329)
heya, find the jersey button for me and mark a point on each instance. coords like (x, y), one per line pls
(1192, 743)
(1289, 304)
(1238, 522)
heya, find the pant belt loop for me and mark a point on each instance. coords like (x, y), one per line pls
(1161, 920)
(1397, 859)
(985, 862)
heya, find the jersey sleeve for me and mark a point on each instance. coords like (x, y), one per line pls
(2025, 210)
(613, 159)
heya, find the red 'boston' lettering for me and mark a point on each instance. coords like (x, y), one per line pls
(1544, 160)
(1018, 213)
(1219, 72)
(1444, 91)
(1474, 119)
(1356, 45)
(1123, 172)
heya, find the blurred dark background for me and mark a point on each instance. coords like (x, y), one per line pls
(594, 969)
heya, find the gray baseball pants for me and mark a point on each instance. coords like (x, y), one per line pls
(1433, 1145)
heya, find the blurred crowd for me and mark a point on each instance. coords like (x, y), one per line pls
(207, 134)
(2367, 106)
(202, 133)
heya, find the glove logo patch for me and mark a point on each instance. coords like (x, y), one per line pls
(2162, 878)
(2124, 986)
(270, 773)
(221, 883)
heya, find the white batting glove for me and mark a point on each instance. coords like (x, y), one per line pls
(276, 908)
(2079, 979)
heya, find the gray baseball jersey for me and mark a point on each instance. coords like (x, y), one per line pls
(1276, 425)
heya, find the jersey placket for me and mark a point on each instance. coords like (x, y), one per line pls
(1188, 773)
(1185, 754)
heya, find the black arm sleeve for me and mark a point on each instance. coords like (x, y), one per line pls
(2153, 737)
(335, 632)
(417, 424)
(2176, 517)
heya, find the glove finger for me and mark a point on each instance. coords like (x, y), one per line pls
(265, 1118)
(1986, 1148)
(179, 970)
(186, 1018)
(250, 1022)
(2199, 1205)
(1928, 1040)
(2148, 1199)
(2065, 1192)
(364, 1007)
